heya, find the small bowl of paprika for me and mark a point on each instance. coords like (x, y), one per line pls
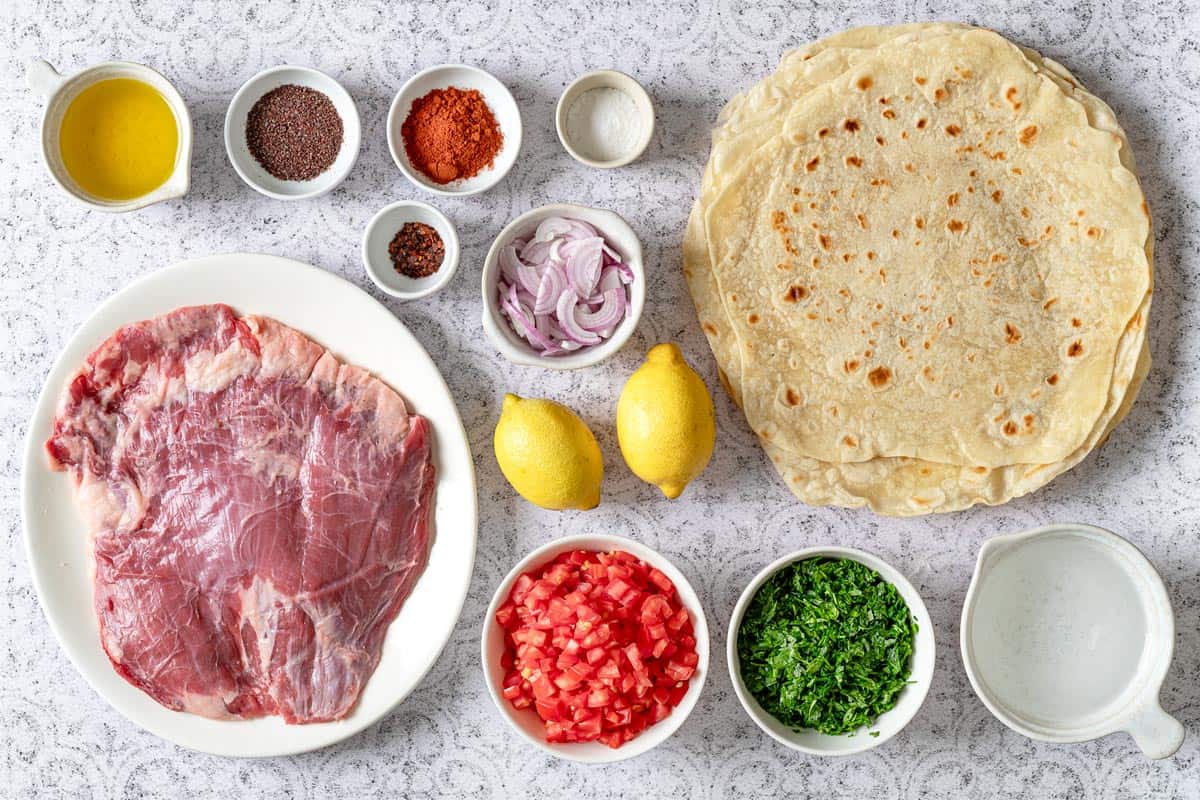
(454, 130)
(410, 249)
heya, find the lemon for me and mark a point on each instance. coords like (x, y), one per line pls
(665, 421)
(548, 454)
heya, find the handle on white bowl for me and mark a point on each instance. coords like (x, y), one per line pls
(1156, 732)
(43, 78)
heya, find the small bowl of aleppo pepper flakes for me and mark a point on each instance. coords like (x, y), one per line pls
(831, 650)
(410, 249)
(454, 130)
(292, 133)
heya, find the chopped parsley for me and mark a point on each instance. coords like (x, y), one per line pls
(826, 644)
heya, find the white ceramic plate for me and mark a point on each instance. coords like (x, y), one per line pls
(358, 330)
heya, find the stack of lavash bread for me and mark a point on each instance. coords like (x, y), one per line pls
(922, 259)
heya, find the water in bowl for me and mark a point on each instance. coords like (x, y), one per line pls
(1059, 629)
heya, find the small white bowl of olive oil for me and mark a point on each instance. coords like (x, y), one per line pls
(116, 136)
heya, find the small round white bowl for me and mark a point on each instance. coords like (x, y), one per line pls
(605, 79)
(59, 91)
(887, 724)
(251, 171)
(378, 235)
(499, 100)
(1067, 634)
(617, 234)
(526, 722)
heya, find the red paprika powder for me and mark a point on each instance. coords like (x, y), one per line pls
(451, 134)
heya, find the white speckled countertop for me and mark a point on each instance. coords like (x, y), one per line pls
(58, 261)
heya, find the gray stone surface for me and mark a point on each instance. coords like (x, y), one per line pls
(58, 261)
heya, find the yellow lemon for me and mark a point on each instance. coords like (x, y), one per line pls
(665, 421)
(548, 454)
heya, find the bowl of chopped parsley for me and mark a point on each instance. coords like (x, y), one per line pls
(831, 650)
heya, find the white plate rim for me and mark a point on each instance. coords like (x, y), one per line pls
(451, 445)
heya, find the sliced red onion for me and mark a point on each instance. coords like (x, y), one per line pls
(609, 314)
(563, 288)
(583, 264)
(553, 284)
(566, 318)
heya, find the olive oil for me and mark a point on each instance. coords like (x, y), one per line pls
(118, 139)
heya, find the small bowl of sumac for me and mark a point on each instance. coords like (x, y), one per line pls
(410, 249)
(292, 133)
(595, 648)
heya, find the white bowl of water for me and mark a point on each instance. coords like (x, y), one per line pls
(1067, 633)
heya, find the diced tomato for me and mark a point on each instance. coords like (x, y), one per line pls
(560, 612)
(655, 608)
(567, 681)
(660, 579)
(678, 672)
(598, 645)
(521, 588)
(678, 620)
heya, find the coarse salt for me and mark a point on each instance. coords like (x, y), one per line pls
(603, 124)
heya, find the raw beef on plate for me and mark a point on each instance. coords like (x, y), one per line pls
(258, 512)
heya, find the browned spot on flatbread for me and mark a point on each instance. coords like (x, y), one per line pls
(922, 122)
(1046, 305)
(920, 80)
(1075, 349)
(880, 377)
(850, 366)
(952, 199)
(812, 164)
(849, 441)
(952, 130)
(752, 319)
(853, 161)
(879, 140)
(956, 226)
(791, 397)
(710, 328)
(863, 83)
(940, 94)
(1011, 334)
(1010, 428)
(888, 114)
(851, 126)
(920, 223)
(824, 241)
(862, 220)
(821, 134)
(1075, 322)
(1010, 94)
(795, 293)
(997, 196)
(1028, 134)
(1052, 380)
(1093, 232)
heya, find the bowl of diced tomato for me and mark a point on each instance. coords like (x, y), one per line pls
(595, 648)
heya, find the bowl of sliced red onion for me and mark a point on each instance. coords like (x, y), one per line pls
(563, 287)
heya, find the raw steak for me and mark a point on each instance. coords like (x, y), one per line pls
(258, 512)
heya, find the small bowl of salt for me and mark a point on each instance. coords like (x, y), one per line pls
(604, 119)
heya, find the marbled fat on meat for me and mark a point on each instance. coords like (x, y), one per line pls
(258, 512)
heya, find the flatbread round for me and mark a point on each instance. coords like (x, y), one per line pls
(902, 484)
